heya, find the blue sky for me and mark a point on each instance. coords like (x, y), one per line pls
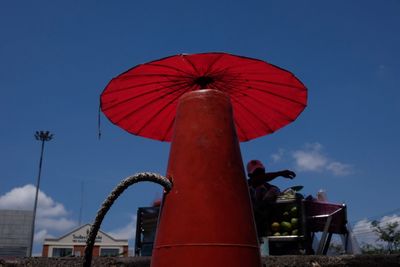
(56, 58)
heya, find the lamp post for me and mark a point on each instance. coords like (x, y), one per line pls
(42, 136)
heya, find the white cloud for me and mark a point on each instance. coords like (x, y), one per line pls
(22, 198)
(339, 169)
(390, 219)
(278, 156)
(57, 224)
(51, 215)
(41, 235)
(312, 158)
(364, 233)
(125, 232)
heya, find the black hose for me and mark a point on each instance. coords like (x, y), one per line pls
(124, 184)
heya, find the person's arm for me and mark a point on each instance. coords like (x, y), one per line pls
(269, 176)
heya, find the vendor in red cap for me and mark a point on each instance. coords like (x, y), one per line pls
(263, 194)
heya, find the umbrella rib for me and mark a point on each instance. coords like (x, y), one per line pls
(212, 64)
(265, 90)
(136, 86)
(252, 113)
(234, 78)
(172, 68)
(240, 65)
(280, 84)
(171, 123)
(277, 95)
(135, 75)
(252, 61)
(186, 59)
(262, 103)
(235, 99)
(229, 86)
(248, 110)
(264, 81)
(271, 108)
(142, 94)
(145, 104)
(231, 81)
(159, 111)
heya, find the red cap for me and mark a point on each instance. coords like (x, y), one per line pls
(253, 165)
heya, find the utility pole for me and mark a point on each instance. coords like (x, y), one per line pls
(42, 136)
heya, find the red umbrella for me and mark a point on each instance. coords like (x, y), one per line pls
(264, 97)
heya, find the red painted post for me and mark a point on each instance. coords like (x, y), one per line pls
(206, 219)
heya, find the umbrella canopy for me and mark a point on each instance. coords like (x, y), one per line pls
(264, 97)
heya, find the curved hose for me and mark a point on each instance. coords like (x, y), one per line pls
(124, 184)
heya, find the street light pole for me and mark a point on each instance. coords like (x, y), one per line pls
(42, 136)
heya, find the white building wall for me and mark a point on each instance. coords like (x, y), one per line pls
(15, 232)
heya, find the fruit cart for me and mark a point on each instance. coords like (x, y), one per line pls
(286, 230)
(294, 223)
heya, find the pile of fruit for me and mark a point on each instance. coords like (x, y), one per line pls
(287, 222)
(288, 194)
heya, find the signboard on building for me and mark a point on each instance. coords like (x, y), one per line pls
(73, 244)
